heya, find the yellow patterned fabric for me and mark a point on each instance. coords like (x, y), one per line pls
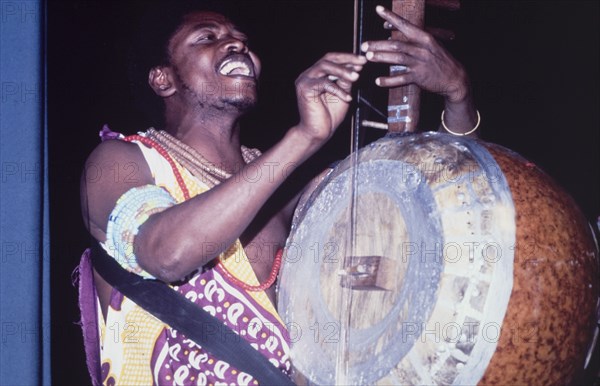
(129, 334)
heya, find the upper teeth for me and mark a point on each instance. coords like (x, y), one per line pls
(228, 68)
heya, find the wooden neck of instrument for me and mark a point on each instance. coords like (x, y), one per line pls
(403, 102)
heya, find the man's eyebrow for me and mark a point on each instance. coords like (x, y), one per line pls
(214, 26)
(205, 25)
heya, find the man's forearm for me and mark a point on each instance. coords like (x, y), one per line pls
(460, 115)
(210, 222)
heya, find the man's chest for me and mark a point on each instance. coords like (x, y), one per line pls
(261, 244)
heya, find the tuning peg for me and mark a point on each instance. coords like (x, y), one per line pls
(452, 5)
(441, 33)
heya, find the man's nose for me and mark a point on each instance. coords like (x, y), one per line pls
(236, 45)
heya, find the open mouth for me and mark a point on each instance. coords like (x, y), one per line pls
(236, 65)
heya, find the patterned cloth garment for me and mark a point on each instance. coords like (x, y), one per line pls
(135, 348)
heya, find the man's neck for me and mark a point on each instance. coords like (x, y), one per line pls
(214, 135)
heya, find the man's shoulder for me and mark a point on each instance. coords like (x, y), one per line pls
(116, 161)
(114, 150)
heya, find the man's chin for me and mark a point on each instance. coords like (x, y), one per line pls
(242, 104)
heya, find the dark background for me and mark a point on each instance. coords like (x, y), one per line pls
(533, 64)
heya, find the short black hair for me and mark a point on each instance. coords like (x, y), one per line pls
(158, 21)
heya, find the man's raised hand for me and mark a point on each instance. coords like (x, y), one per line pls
(428, 64)
(323, 93)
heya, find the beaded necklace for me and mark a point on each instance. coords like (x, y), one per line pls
(171, 149)
(195, 162)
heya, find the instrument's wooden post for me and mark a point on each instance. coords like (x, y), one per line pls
(403, 102)
(371, 273)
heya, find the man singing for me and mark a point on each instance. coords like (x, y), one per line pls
(186, 217)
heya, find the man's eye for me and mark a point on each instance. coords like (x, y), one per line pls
(205, 38)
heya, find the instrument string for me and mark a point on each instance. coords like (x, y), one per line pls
(344, 315)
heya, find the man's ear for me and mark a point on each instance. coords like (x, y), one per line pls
(159, 78)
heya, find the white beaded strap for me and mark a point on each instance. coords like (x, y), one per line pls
(133, 208)
(461, 134)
